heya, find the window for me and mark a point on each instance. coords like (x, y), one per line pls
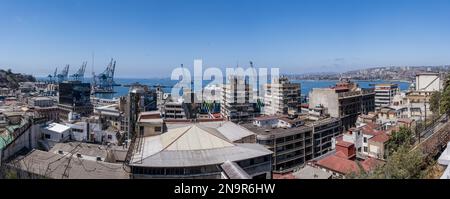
(365, 149)
(158, 129)
(365, 139)
(47, 136)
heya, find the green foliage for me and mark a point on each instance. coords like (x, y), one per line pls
(11, 175)
(445, 97)
(398, 138)
(445, 101)
(6, 173)
(434, 102)
(402, 164)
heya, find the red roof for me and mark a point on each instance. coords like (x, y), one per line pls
(345, 166)
(381, 138)
(370, 130)
(338, 164)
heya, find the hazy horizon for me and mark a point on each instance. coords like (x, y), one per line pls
(150, 38)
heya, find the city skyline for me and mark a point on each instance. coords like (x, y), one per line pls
(151, 38)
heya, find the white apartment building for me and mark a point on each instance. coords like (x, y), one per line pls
(237, 100)
(281, 96)
(384, 94)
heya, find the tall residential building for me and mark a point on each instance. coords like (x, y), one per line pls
(140, 99)
(74, 96)
(345, 101)
(173, 110)
(384, 94)
(281, 96)
(236, 102)
(294, 140)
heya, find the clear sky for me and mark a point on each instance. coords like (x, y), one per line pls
(149, 38)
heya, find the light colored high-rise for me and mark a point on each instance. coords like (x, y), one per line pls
(384, 94)
(237, 104)
(281, 96)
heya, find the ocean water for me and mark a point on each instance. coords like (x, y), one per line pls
(306, 85)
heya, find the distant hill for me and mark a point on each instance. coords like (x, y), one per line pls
(406, 73)
(11, 80)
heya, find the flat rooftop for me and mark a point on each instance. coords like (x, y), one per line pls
(88, 151)
(283, 131)
(55, 127)
(274, 131)
(309, 172)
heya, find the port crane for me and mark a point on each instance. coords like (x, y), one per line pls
(63, 75)
(79, 75)
(51, 77)
(104, 82)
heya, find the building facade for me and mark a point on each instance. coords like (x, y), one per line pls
(74, 96)
(294, 146)
(384, 94)
(345, 101)
(237, 104)
(44, 107)
(281, 96)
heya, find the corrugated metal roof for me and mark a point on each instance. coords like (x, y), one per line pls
(193, 145)
(230, 130)
(54, 166)
(234, 171)
(190, 158)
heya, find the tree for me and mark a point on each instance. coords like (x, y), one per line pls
(445, 97)
(402, 164)
(434, 102)
(398, 138)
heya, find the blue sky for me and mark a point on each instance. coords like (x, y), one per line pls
(150, 38)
